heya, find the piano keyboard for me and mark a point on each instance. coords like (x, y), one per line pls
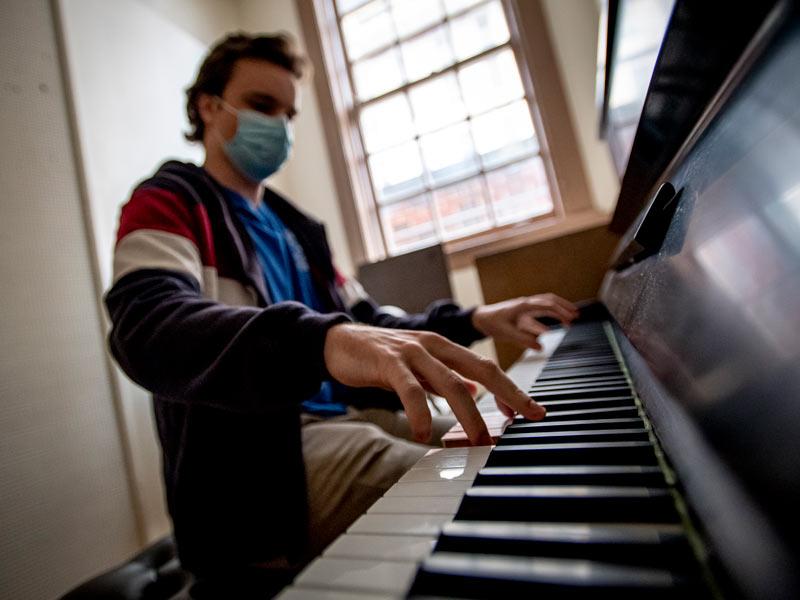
(577, 505)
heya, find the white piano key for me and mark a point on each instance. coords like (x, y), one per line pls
(431, 475)
(358, 575)
(462, 451)
(381, 547)
(416, 525)
(431, 488)
(294, 593)
(399, 505)
(450, 458)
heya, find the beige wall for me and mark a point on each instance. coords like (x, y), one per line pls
(129, 62)
(66, 508)
(573, 31)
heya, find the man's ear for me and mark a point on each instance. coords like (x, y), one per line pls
(207, 107)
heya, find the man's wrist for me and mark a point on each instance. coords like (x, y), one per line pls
(476, 320)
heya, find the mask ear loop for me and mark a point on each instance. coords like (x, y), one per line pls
(226, 107)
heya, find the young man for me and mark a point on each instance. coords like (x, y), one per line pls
(227, 307)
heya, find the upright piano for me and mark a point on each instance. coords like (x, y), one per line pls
(668, 465)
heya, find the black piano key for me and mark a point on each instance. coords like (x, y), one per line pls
(561, 437)
(555, 373)
(595, 392)
(586, 403)
(583, 356)
(646, 544)
(606, 475)
(450, 574)
(575, 425)
(570, 350)
(558, 386)
(563, 503)
(580, 363)
(591, 413)
(589, 453)
(585, 380)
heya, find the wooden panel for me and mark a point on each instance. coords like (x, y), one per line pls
(571, 266)
(410, 281)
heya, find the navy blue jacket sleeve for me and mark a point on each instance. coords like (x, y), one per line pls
(183, 347)
(442, 317)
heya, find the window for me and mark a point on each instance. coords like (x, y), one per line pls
(447, 143)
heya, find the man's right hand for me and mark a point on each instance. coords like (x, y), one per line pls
(409, 362)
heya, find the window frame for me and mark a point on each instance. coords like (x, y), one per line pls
(543, 92)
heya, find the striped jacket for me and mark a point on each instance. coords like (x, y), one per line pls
(192, 322)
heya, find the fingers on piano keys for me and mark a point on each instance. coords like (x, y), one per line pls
(575, 506)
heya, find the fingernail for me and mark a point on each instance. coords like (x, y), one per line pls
(537, 409)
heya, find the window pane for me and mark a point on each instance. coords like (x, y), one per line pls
(426, 54)
(478, 30)
(454, 6)
(386, 123)
(461, 208)
(449, 154)
(368, 28)
(377, 75)
(519, 191)
(408, 225)
(490, 82)
(437, 103)
(411, 16)
(504, 134)
(397, 172)
(344, 6)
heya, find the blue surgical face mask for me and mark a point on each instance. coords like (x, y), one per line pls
(261, 143)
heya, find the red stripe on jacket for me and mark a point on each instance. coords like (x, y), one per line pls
(162, 210)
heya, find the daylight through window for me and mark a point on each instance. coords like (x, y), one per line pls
(443, 117)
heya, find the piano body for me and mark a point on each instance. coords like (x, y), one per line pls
(669, 463)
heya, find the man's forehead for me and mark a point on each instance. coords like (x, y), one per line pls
(253, 76)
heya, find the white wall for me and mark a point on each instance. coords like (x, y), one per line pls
(573, 31)
(65, 502)
(203, 20)
(129, 62)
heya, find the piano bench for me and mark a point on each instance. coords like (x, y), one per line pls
(153, 574)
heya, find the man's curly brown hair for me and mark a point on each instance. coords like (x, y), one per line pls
(216, 70)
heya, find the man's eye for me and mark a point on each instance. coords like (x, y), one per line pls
(267, 108)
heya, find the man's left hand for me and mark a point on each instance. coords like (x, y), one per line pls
(516, 320)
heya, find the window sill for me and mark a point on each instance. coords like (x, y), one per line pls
(462, 253)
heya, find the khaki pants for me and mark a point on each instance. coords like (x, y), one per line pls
(352, 460)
